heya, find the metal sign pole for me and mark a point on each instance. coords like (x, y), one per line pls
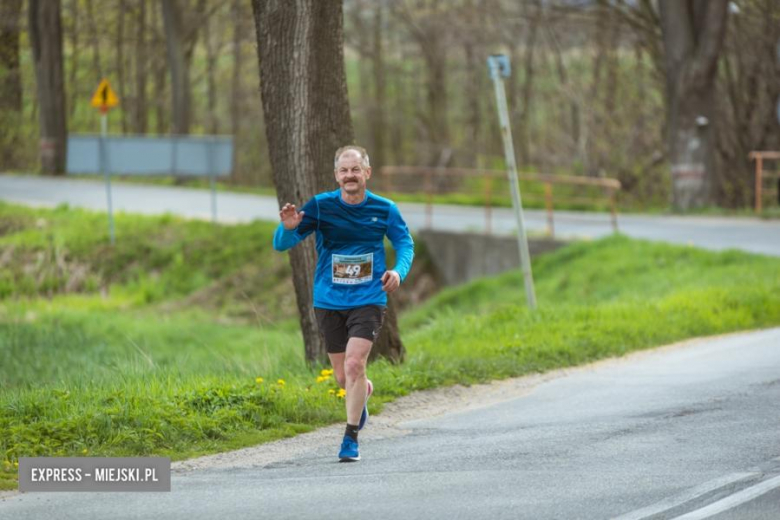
(499, 68)
(104, 167)
(212, 174)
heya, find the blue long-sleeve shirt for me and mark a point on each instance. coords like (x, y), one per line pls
(350, 247)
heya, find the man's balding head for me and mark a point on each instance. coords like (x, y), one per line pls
(352, 149)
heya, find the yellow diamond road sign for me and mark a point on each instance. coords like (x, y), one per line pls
(104, 97)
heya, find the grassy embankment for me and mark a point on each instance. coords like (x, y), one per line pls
(156, 346)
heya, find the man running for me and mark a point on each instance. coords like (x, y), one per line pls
(351, 281)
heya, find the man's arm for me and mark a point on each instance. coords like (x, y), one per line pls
(294, 226)
(399, 236)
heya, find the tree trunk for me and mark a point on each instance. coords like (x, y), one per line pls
(10, 78)
(160, 73)
(524, 133)
(46, 42)
(140, 117)
(398, 117)
(429, 32)
(73, 83)
(10, 82)
(211, 66)
(98, 68)
(613, 65)
(473, 117)
(363, 104)
(473, 51)
(389, 345)
(120, 64)
(574, 110)
(179, 67)
(236, 90)
(435, 59)
(304, 91)
(378, 124)
(693, 34)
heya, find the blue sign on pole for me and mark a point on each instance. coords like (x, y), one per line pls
(128, 155)
(191, 156)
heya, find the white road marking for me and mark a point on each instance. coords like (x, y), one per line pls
(686, 496)
(731, 501)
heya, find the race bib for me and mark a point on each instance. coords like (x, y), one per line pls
(353, 269)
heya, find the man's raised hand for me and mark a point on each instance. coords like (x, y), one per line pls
(290, 218)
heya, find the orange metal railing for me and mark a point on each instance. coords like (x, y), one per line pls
(437, 181)
(759, 158)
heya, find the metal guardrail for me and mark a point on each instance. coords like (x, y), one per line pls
(437, 181)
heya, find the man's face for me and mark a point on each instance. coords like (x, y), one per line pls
(350, 173)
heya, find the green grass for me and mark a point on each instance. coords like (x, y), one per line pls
(596, 299)
(230, 269)
(100, 370)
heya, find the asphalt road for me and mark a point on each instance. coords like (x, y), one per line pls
(716, 233)
(685, 432)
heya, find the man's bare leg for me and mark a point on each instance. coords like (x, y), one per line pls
(337, 362)
(355, 362)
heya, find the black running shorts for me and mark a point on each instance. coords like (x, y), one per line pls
(337, 326)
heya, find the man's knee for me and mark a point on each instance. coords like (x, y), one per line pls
(355, 368)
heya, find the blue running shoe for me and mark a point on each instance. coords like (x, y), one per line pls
(364, 415)
(349, 450)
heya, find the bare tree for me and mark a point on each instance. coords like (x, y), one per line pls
(304, 92)
(567, 92)
(236, 87)
(473, 51)
(46, 42)
(213, 41)
(75, 47)
(139, 114)
(749, 88)
(94, 41)
(524, 134)
(160, 63)
(693, 34)
(377, 117)
(120, 61)
(10, 81)
(179, 59)
(367, 21)
(428, 25)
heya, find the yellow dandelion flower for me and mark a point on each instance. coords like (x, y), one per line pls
(341, 393)
(281, 382)
(258, 380)
(326, 372)
(320, 379)
(332, 392)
